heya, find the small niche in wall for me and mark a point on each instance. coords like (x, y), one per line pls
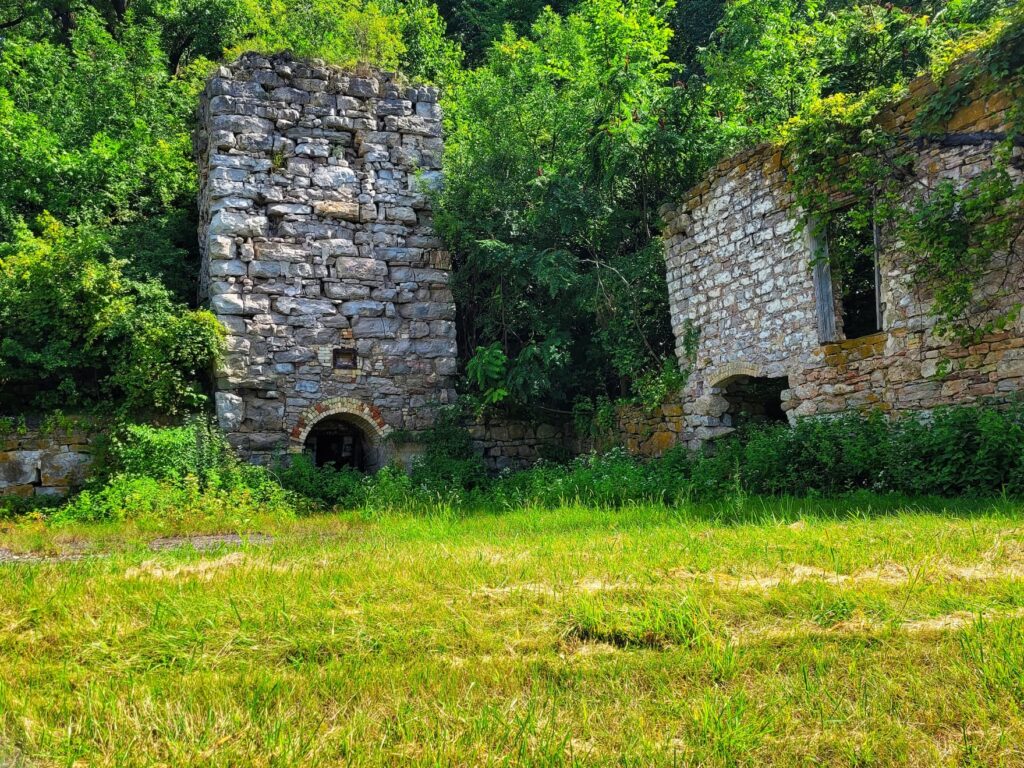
(344, 359)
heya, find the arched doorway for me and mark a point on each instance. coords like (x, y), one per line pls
(344, 432)
(337, 441)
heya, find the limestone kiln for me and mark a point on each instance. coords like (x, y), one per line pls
(320, 260)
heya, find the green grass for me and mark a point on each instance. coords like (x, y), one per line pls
(783, 633)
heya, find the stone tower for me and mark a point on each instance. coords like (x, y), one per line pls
(320, 260)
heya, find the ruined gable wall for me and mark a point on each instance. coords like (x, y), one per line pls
(316, 235)
(739, 269)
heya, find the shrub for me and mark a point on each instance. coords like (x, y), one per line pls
(75, 330)
(336, 487)
(181, 474)
(449, 461)
(195, 449)
(148, 499)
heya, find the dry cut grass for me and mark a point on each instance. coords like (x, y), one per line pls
(643, 636)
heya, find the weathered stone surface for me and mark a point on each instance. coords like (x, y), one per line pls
(35, 463)
(739, 270)
(309, 192)
(64, 469)
(336, 209)
(230, 411)
(19, 467)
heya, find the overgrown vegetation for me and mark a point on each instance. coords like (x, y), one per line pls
(951, 233)
(169, 474)
(567, 127)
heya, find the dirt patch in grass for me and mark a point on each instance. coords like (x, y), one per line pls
(10, 556)
(889, 573)
(208, 542)
(585, 586)
(861, 625)
(205, 569)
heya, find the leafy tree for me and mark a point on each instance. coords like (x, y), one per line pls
(559, 150)
(479, 23)
(76, 331)
(98, 131)
(340, 31)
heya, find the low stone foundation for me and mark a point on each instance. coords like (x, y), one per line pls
(511, 444)
(649, 434)
(33, 463)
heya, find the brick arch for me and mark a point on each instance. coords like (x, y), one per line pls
(367, 417)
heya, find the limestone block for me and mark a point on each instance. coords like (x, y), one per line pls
(296, 306)
(227, 304)
(333, 177)
(358, 268)
(289, 209)
(19, 467)
(241, 124)
(337, 209)
(64, 469)
(237, 224)
(234, 268)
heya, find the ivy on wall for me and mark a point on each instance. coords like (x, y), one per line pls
(952, 234)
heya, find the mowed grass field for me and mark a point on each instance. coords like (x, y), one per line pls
(806, 635)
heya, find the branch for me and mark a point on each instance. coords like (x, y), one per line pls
(13, 22)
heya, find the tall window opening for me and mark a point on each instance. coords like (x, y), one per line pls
(853, 257)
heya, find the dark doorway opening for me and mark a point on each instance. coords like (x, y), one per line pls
(852, 250)
(337, 442)
(755, 400)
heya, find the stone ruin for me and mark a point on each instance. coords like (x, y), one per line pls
(778, 338)
(319, 258)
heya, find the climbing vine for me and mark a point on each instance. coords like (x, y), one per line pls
(844, 157)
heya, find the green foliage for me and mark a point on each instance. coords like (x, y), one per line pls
(952, 233)
(761, 66)
(963, 451)
(559, 149)
(194, 449)
(343, 32)
(956, 235)
(76, 331)
(449, 462)
(478, 23)
(486, 372)
(164, 502)
(332, 486)
(428, 53)
(188, 474)
(95, 130)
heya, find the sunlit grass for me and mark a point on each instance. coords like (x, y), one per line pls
(875, 632)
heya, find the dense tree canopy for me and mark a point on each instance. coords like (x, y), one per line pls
(568, 124)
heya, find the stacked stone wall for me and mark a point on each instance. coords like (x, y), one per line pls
(650, 433)
(508, 443)
(44, 463)
(739, 266)
(319, 255)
